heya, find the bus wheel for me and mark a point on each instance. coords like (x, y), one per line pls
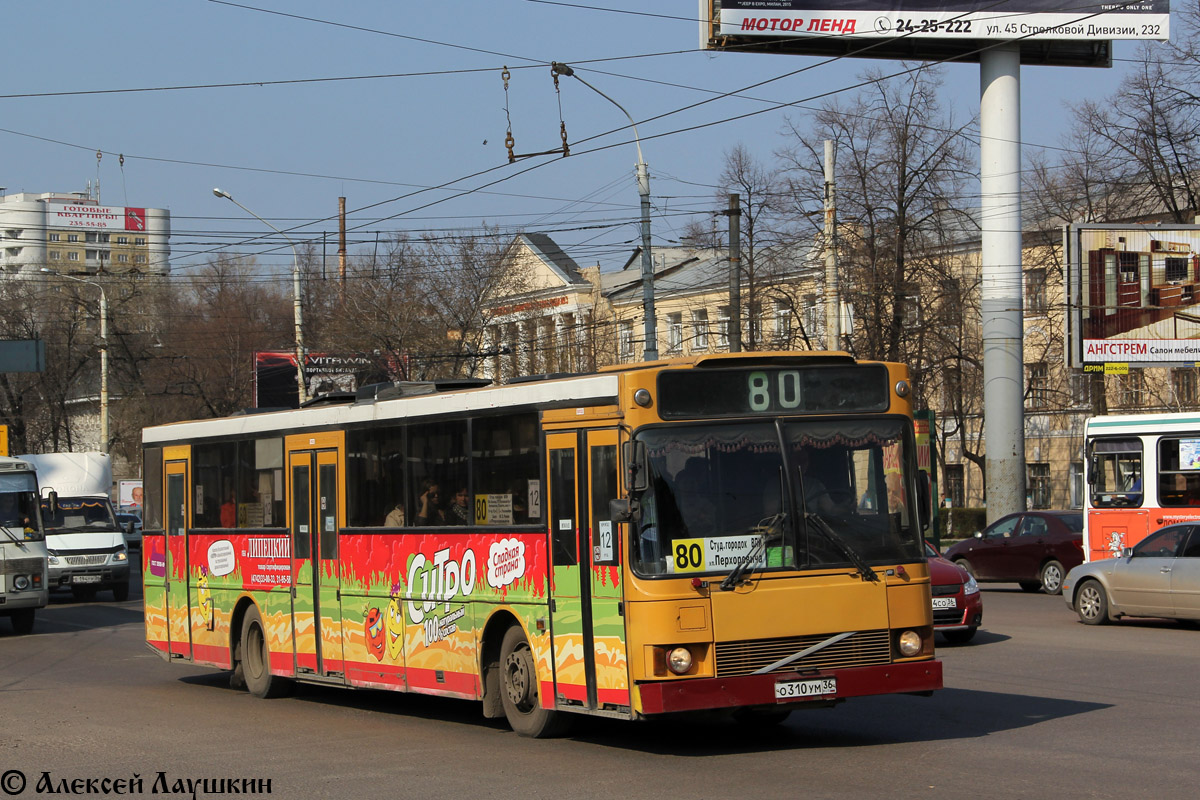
(519, 690)
(22, 621)
(256, 659)
(1091, 603)
(1052, 577)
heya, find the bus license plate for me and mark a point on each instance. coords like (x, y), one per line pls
(800, 690)
(85, 579)
(945, 602)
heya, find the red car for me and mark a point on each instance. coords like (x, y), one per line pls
(957, 604)
(1033, 548)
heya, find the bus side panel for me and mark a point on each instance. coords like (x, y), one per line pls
(226, 566)
(570, 673)
(154, 590)
(414, 604)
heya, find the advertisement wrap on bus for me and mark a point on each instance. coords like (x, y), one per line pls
(1143, 474)
(737, 534)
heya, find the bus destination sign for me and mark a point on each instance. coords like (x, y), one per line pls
(685, 394)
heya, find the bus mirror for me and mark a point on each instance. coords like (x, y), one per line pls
(636, 479)
(622, 509)
(52, 500)
(1093, 469)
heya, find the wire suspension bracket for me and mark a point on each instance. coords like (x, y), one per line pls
(510, 141)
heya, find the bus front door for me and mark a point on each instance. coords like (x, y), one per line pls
(316, 606)
(179, 629)
(585, 613)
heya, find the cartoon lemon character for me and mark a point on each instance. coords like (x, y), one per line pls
(373, 625)
(204, 596)
(395, 624)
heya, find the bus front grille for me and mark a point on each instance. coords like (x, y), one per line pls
(863, 649)
(85, 561)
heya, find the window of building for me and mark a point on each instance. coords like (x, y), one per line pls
(1131, 391)
(1035, 291)
(73, 256)
(910, 307)
(723, 326)
(812, 316)
(625, 340)
(700, 329)
(122, 258)
(1183, 381)
(674, 332)
(956, 486)
(72, 237)
(1038, 476)
(122, 240)
(950, 302)
(783, 322)
(1039, 385)
(55, 255)
(139, 240)
(140, 259)
(54, 237)
(1081, 388)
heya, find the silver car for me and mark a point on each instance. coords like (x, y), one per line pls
(1159, 577)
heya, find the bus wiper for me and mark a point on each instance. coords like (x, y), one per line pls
(13, 536)
(771, 527)
(829, 533)
(734, 578)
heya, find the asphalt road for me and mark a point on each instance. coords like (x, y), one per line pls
(1037, 706)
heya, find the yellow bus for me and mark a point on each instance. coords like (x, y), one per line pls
(737, 533)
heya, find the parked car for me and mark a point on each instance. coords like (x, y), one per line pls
(1157, 577)
(132, 525)
(957, 604)
(1033, 548)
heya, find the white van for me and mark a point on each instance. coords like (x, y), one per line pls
(87, 547)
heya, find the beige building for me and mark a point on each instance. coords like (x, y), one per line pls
(573, 319)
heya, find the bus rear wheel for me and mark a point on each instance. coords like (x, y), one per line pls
(256, 659)
(519, 690)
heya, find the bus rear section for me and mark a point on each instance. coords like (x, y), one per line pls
(1143, 473)
(23, 558)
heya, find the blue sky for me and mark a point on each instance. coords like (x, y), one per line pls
(288, 151)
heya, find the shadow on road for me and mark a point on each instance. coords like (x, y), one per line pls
(949, 715)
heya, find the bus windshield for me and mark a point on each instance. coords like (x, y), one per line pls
(801, 492)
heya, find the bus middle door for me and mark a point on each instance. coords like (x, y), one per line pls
(585, 609)
(179, 615)
(316, 597)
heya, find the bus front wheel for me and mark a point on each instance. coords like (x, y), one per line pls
(519, 690)
(256, 659)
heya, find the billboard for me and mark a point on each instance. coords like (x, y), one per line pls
(108, 218)
(275, 376)
(1132, 295)
(1078, 32)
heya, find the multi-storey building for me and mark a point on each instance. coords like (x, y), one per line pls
(73, 233)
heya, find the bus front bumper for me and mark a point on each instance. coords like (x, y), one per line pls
(664, 697)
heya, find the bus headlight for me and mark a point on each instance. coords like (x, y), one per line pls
(118, 557)
(909, 643)
(679, 660)
(52, 561)
(21, 582)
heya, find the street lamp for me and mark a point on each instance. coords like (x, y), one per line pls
(103, 353)
(297, 308)
(650, 352)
